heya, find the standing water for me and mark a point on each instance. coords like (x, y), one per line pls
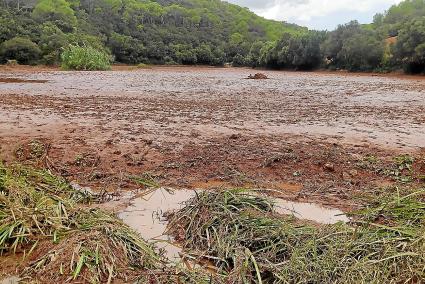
(145, 215)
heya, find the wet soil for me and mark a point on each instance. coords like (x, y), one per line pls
(17, 80)
(306, 135)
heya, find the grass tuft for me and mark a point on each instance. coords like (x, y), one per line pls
(46, 220)
(241, 235)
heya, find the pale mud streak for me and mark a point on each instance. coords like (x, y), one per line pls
(174, 105)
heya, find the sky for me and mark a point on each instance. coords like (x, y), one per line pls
(317, 14)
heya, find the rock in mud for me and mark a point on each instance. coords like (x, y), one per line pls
(329, 167)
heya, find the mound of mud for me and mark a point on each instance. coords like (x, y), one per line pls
(257, 76)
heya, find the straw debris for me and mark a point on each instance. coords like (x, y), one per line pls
(47, 221)
(239, 232)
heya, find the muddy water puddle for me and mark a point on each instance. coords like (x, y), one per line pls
(311, 212)
(10, 280)
(146, 215)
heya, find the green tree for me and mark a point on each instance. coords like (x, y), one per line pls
(204, 54)
(254, 55)
(126, 49)
(238, 60)
(361, 52)
(21, 49)
(409, 51)
(56, 11)
(299, 51)
(219, 57)
(52, 41)
(9, 26)
(332, 46)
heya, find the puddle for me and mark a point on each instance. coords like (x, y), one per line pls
(18, 80)
(10, 280)
(145, 215)
(310, 211)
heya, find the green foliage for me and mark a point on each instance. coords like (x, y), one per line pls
(204, 55)
(134, 31)
(56, 11)
(43, 214)
(21, 49)
(85, 58)
(299, 51)
(409, 51)
(9, 26)
(238, 60)
(126, 48)
(249, 243)
(354, 47)
(52, 41)
(214, 32)
(361, 52)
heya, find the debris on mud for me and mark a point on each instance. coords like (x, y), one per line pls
(18, 80)
(329, 167)
(257, 76)
(240, 233)
(87, 160)
(34, 149)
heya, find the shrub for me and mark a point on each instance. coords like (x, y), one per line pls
(143, 66)
(21, 49)
(238, 60)
(85, 58)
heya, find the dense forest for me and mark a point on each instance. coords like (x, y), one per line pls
(210, 32)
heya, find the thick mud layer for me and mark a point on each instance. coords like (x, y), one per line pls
(306, 135)
(17, 80)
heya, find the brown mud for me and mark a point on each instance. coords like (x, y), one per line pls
(305, 135)
(17, 80)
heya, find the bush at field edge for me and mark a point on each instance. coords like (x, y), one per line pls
(85, 58)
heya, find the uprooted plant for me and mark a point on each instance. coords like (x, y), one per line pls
(48, 222)
(240, 233)
(43, 218)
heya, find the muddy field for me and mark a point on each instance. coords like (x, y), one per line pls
(138, 142)
(306, 135)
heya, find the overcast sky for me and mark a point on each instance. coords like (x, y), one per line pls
(317, 14)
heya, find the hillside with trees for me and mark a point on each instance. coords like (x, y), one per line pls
(208, 32)
(394, 41)
(135, 31)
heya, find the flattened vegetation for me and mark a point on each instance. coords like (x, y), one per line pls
(248, 243)
(60, 239)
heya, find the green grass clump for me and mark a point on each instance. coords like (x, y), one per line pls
(49, 222)
(143, 66)
(85, 58)
(100, 249)
(249, 243)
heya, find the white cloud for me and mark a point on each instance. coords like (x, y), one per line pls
(317, 14)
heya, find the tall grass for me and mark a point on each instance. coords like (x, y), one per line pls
(46, 220)
(247, 241)
(85, 58)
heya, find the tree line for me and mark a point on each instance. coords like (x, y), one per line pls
(210, 32)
